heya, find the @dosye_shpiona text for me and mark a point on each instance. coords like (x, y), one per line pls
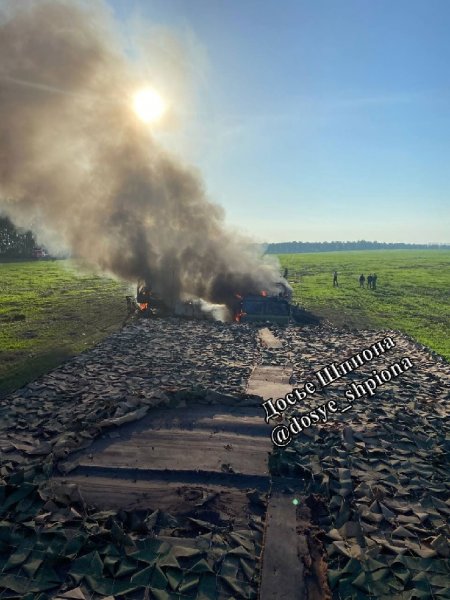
(282, 434)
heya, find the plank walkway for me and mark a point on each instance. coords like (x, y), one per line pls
(172, 457)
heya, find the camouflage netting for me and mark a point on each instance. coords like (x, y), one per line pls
(119, 381)
(377, 477)
(53, 543)
(54, 546)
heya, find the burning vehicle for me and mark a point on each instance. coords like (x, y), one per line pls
(149, 303)
(273, 307)
(278, 309)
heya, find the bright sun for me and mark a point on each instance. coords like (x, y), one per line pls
(148, 105)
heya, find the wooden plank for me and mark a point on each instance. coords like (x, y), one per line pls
(215, 418)
(208, 439)
(268, 339)
(183, 450)
(269, 382)
(282, 575)
(113, 494)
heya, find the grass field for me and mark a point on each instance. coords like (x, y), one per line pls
(48, 312)
(413, 291)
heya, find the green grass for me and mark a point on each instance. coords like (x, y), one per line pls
(49, 311)
(412, 292)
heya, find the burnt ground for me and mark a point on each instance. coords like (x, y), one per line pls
(371, 483)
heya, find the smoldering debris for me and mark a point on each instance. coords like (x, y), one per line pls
(78, 166)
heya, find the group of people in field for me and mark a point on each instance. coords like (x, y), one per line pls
(371, 281)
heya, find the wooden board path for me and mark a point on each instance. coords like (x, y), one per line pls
(171, 455)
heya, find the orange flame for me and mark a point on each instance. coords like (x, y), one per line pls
(238, 314)
(143, 306)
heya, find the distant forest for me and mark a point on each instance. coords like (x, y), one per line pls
(298, 247)
(16, 243)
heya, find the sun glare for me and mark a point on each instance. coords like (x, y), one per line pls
(148, 105)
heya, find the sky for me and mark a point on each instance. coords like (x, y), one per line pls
(308, 120)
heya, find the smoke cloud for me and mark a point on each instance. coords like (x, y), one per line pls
(75, 160)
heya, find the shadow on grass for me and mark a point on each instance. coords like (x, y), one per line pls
(350, 319)
(32, 368)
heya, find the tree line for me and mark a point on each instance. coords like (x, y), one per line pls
(298, 247)
(15, 243)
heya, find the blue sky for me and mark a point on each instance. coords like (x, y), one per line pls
(309, 120)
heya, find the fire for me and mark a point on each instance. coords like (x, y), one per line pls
(238, 316)
(143, 305)
(264, 293)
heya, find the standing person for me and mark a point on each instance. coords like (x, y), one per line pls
(374, 281)
(335, 279)
(369, 281)
(286, 271)
(362, 280)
